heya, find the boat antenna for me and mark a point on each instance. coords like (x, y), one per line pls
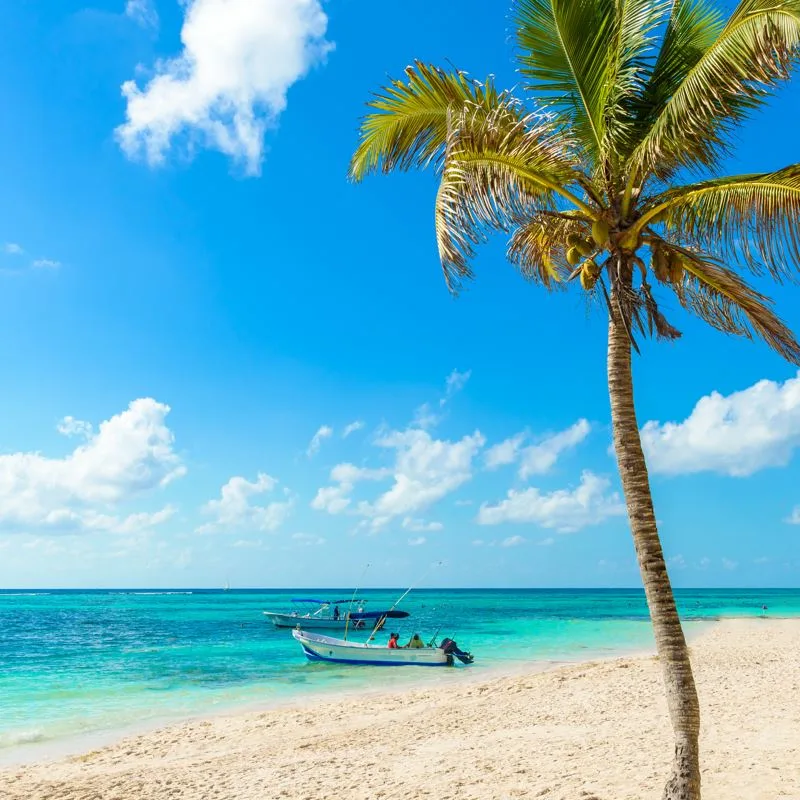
(353, 599)
(399, 599)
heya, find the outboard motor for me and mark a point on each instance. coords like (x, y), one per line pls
(451, 649)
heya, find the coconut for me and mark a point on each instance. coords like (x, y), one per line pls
(585, 247)
(573, 256)
(573, 239)
(592, 268)
(587, 279)
(600, 232)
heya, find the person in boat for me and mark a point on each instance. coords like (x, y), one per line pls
(415, 642)
(393, 637)
(336, 612)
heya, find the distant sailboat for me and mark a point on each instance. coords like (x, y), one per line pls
(227, 586)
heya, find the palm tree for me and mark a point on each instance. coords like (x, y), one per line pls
(595, 175)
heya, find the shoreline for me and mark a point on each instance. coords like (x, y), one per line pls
(595, 729)
(48, 750)
(598, 727)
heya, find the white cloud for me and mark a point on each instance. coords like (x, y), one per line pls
(454, 383)
(729, 564)
(540, 458)
(506, 452)
(425, 470)
(352, 428)
(563, 510)
(419, 525)
(513, 541)
(143, 520)
(46, 263)
(142, 12)
(336, 499)
(478, 542)
(308, 539)
(234, 509)
(425, 417)
(64, 520)
(547, 542)
(130, 454)
(13, 249)
(45, 547)
(736, 435)
(333, 499)
(416, 542)
(761, 560)
(677, 562)
(324, 432)
(250, 544)
(69, 426)
(794, 517)
(704, 562)
(229, 83)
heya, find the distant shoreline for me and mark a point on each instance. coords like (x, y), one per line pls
(399, 589)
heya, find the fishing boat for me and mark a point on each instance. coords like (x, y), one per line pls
(319, 647)
(326, 616)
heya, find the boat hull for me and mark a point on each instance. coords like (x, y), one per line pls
(338, 651)
(310, 623)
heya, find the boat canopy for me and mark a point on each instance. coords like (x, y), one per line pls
(323, 602)
(378, 614)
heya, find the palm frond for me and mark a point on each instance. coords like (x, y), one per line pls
(495, 176)
(721, 298)
(629, 57)
(538, 247)
(704, 84)
(692, 28)
(563, 52)
(658, 325)
(748, 219)
(409, 125)
(513, 171)
(458, 231)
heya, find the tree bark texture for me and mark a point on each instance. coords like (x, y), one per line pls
(673, 654)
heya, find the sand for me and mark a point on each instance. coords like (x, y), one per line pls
(595, 731)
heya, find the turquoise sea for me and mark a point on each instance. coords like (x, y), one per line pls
(91, 663)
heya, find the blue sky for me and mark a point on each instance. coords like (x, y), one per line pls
(184, 305)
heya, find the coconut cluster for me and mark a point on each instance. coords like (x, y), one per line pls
(668, 265)
(579, 248)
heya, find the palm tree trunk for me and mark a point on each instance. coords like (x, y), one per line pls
(684, 710)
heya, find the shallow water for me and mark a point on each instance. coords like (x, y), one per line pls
(87, 662)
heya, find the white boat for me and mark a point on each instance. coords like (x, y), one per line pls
(309, 621)
(318, 647)
(328, 617)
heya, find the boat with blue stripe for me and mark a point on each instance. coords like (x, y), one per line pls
(318, 647)
(325, 615)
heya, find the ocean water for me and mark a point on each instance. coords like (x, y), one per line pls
(78, 663)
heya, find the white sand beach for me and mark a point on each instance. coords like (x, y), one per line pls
(595, 731)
